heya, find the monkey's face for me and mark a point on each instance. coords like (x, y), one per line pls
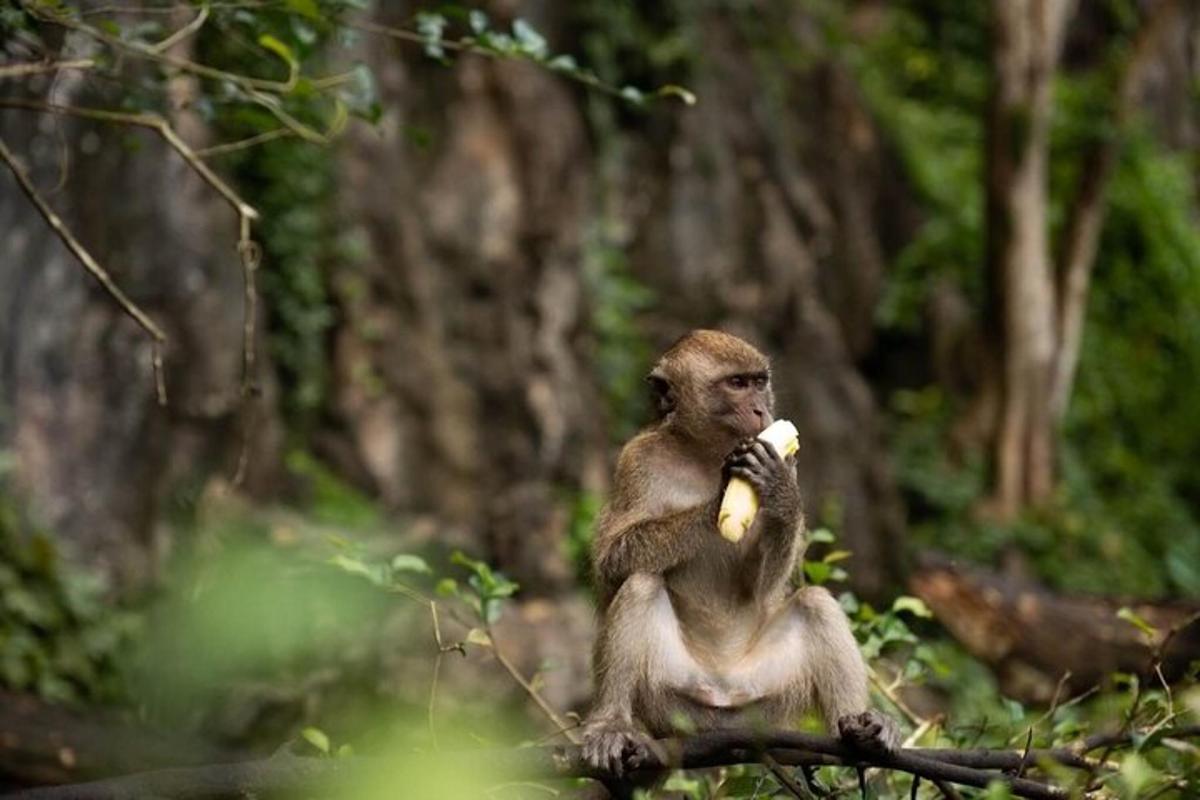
(742, 402)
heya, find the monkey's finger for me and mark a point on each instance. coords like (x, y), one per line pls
(767, 452)
(753, 477)
(748, 459)
(616, 748)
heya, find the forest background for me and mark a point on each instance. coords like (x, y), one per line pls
(319, 315)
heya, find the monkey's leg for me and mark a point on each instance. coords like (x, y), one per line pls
(807, 656)
(640, 656)
(838, 673)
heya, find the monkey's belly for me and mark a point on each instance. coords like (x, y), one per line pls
(736, 665)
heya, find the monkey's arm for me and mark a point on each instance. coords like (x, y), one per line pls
(777, 544)
(629, 543)
(773, 554)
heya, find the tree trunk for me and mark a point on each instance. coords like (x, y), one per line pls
(1027, 38)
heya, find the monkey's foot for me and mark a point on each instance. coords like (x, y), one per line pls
(616, 750)
(870, 731)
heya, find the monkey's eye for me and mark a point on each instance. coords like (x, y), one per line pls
(760, 383)
(738, 381)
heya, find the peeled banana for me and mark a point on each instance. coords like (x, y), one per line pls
(739, 506)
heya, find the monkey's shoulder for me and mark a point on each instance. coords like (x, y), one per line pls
(653, 468)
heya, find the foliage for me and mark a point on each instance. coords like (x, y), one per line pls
(622, 355)
(1128, 491)
(59, 636)
(328, 499)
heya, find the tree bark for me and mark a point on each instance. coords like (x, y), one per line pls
(1036, 640)
(1037, 306)
(1026, 39)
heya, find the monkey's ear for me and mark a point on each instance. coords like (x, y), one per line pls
(661, 393)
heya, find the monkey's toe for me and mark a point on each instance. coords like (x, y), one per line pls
(616, 751)
(869, 731)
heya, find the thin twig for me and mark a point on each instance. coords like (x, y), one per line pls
(547, 709)
(887, 691)
(39, 67)
(148, 51)
(132, 309)
(263, 91)
(154, 122)
(244, 144)
(789, 783)
(184, 32)
(248, 249)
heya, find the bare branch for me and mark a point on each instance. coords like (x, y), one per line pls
(152, 52)
(248, 249)
(244, 144)
(132, 309)
(285, 772)
(187, 30)
(40, 67)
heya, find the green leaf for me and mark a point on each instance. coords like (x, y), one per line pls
(914, 605)
(478, 636)
(817, 571)
(375, 573)
(317, 738)
(823, 535)
(834, 556)
(531, 43)
(1136, 773)
(269, 42)
(633, 95)
(478, 21)
(1132, 618)
(563, 63)
(410, 563)
(431, 27)
(447, 587)
(671, 90)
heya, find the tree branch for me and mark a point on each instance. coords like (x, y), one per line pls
(285, 771)
(132, 309)
(39, 67)
(1085, 218)
(248, 249)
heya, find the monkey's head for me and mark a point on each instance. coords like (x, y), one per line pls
(713, 387)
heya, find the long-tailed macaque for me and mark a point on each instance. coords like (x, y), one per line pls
(696, 630)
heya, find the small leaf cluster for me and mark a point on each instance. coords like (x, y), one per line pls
(523, 42)
(59, 638)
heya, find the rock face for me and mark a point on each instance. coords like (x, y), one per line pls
(754, 211)
(475, 323)
(94, 455)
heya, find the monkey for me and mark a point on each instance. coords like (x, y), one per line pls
(696, 631)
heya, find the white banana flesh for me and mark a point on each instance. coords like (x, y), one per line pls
(739, 506)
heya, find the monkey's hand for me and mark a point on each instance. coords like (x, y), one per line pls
(609, 746)
(772, 476)
(870, 731)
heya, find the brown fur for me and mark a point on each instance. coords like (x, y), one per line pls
(697, 630)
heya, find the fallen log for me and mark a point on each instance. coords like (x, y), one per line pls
(1033, 637)
(43, 744)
